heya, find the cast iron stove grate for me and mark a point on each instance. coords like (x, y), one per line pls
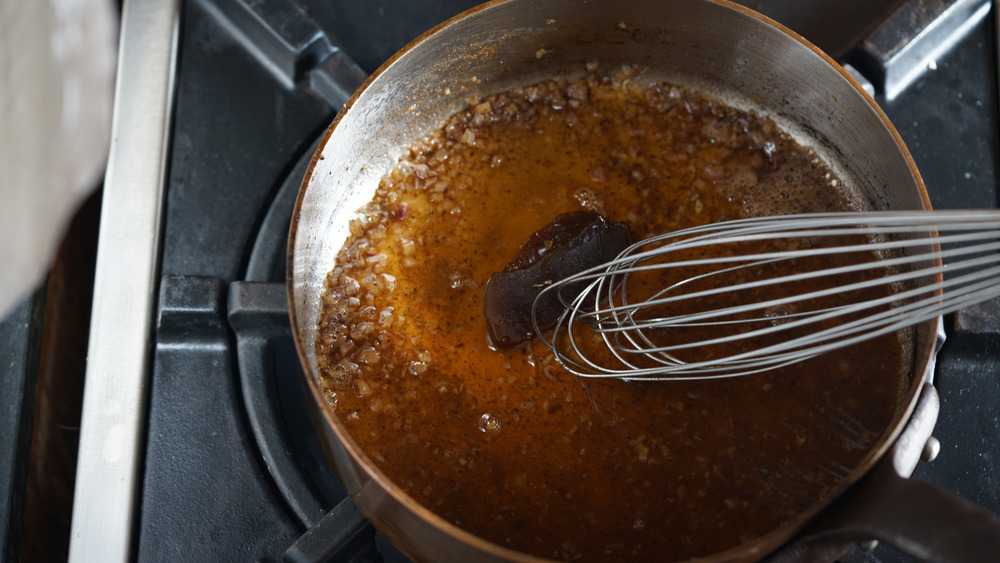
(232, 469)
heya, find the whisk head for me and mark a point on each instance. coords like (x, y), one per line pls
(740, 297)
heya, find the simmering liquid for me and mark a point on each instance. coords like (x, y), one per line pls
(504, 443)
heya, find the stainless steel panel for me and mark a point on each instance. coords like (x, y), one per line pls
(124, 287)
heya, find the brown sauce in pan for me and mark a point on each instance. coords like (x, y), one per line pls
(504, 443)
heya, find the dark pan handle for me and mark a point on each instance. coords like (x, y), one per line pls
(916, 517)
(924, 520)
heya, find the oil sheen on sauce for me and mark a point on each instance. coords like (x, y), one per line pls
(507, 445)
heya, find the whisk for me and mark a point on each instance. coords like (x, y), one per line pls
(764, 293)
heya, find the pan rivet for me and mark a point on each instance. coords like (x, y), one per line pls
(867, 545)
(931, 449)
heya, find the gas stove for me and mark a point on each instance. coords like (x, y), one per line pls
(195, 440)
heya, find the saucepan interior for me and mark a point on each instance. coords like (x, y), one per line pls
(716, 47)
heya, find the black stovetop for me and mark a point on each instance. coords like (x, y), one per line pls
(232, 470)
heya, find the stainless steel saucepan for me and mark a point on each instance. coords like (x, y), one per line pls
(720, 48)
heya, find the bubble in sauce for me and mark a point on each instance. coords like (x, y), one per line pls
(779, 314)
(489, 423)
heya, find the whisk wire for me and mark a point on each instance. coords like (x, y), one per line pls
(626, 267)
(599, 318)
(631, 327)
(927, 309)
